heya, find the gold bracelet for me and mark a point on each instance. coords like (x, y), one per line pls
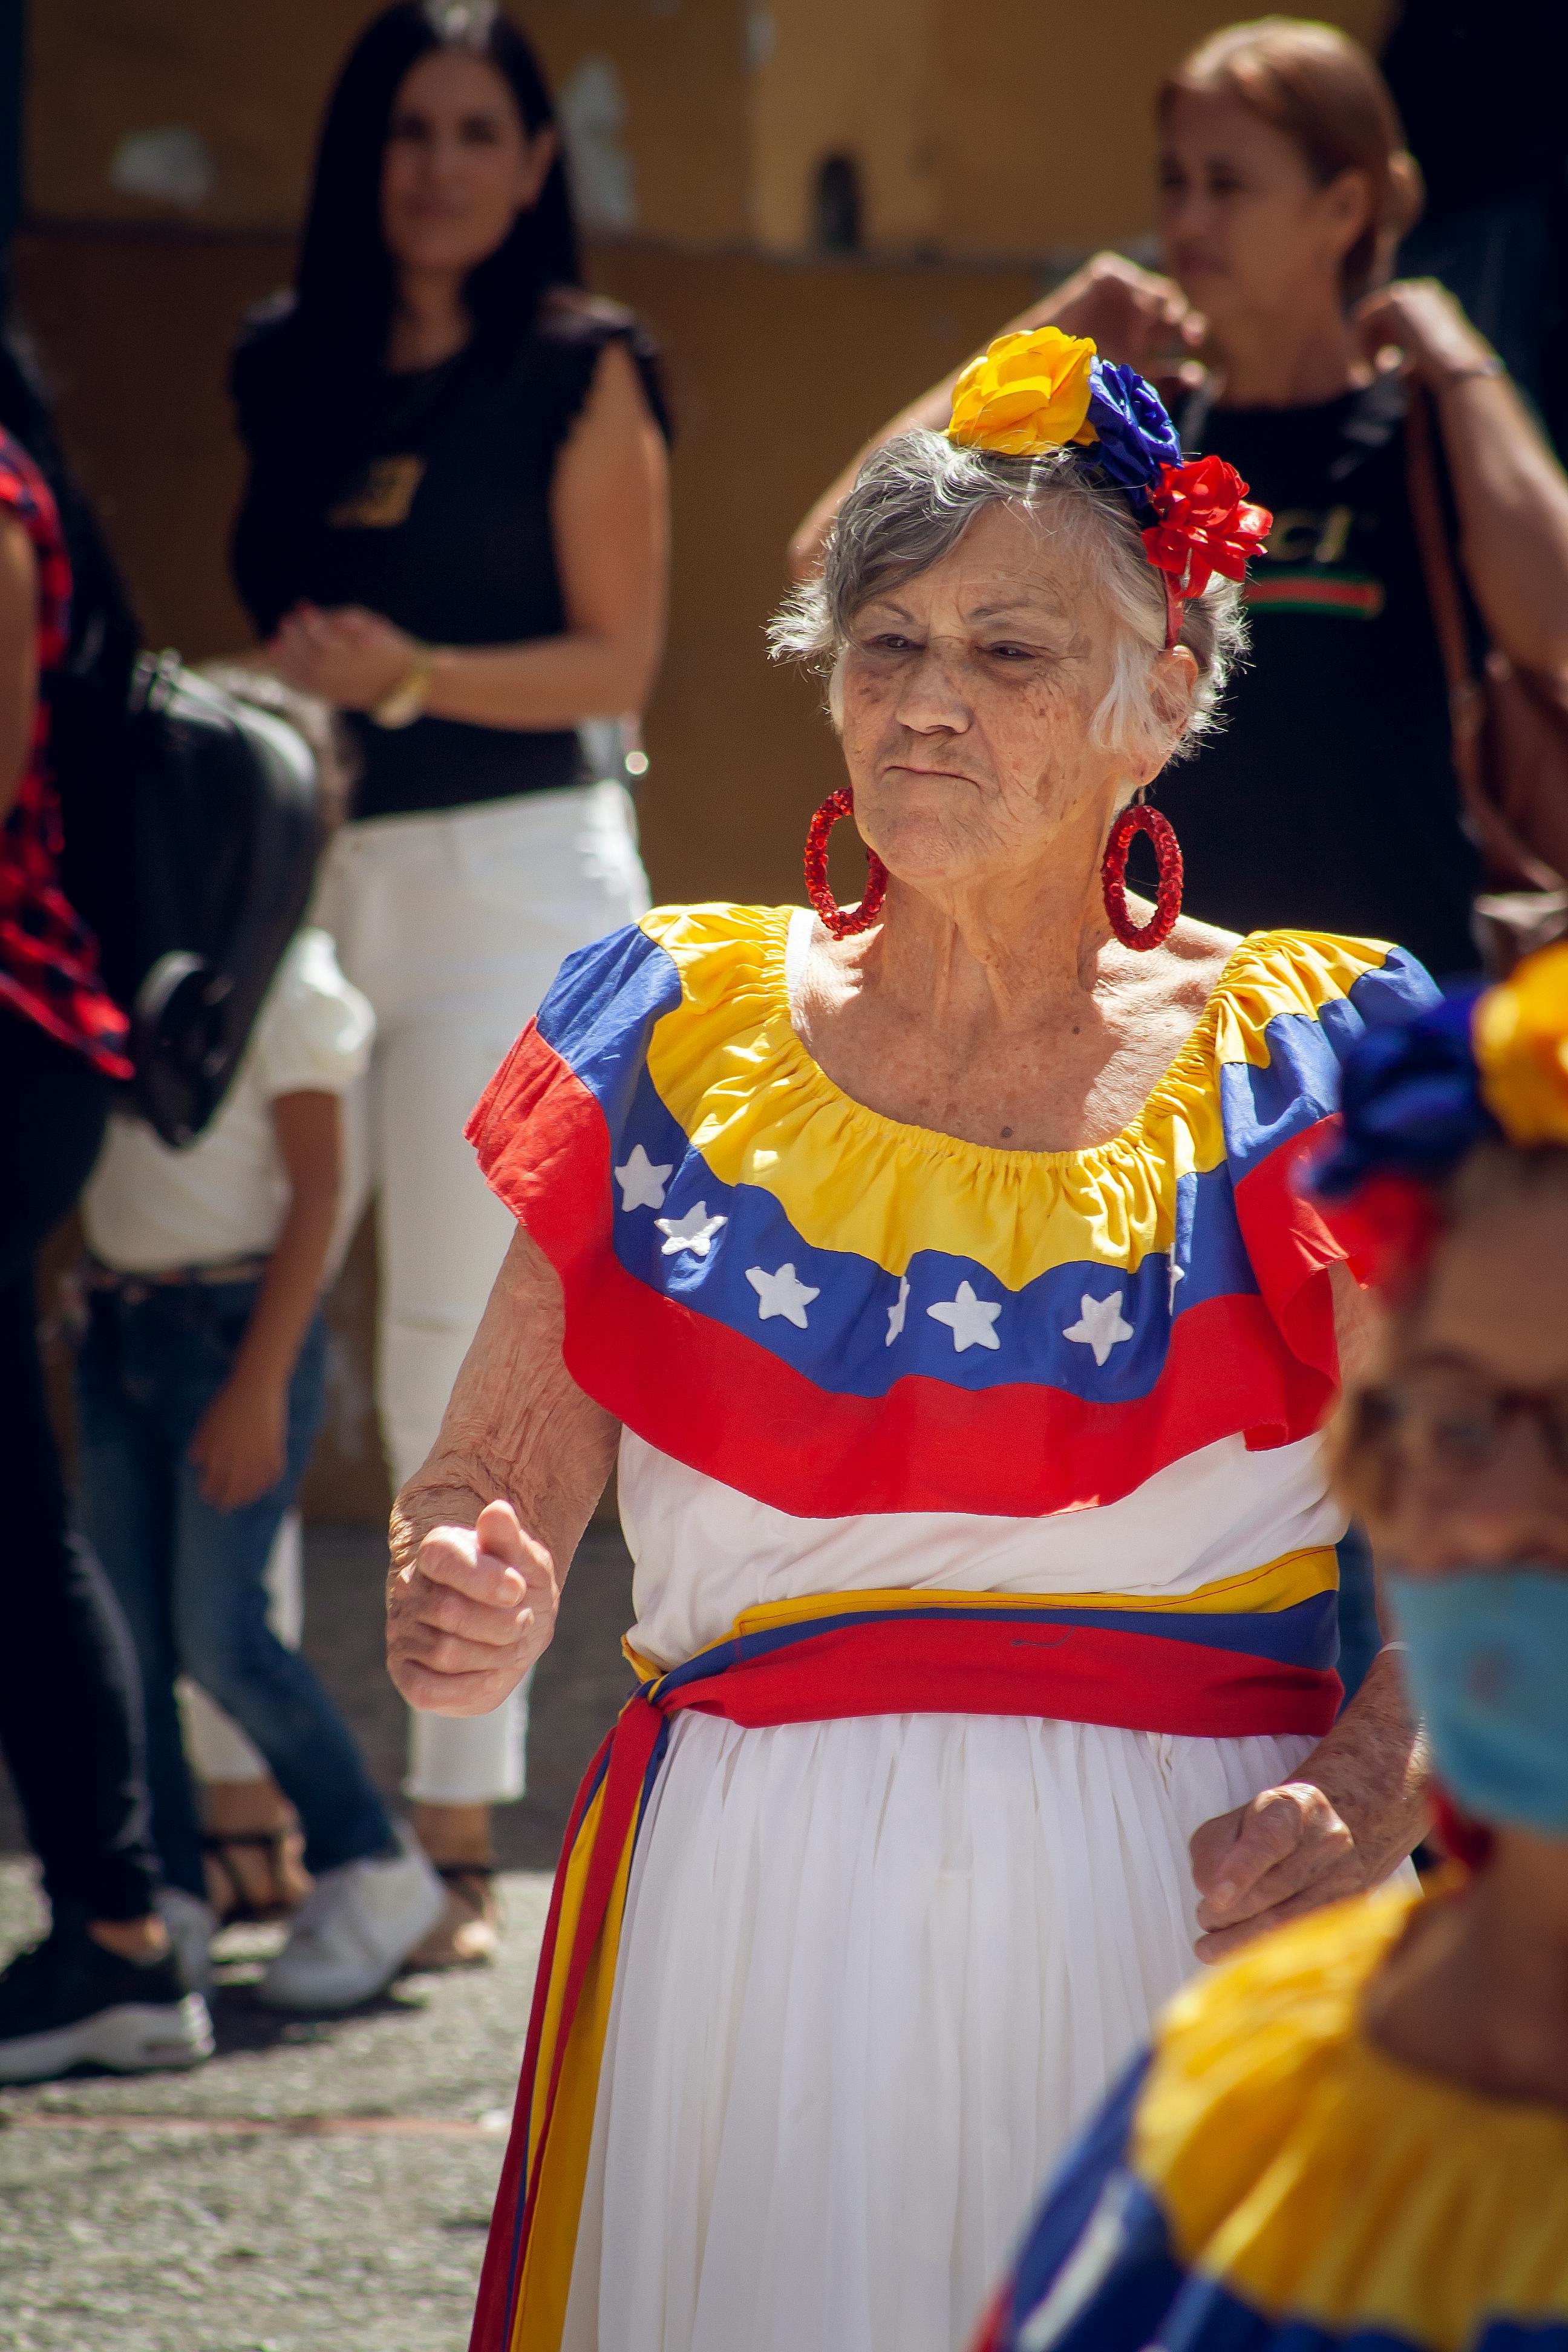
(405, 703)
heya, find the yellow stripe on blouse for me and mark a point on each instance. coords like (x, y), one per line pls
(731, 1070)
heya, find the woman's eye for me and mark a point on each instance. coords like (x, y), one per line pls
(890, 642)
(480, 131)
(1011, 653)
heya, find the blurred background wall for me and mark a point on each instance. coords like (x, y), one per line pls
(819, 205)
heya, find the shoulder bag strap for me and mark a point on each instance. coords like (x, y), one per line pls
(1492, 829)
(1466, 702)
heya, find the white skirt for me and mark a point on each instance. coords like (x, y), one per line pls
(873, 1974)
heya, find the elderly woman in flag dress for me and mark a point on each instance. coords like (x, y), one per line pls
(934, 1270)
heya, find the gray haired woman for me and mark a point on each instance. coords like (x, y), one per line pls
(934, 1270)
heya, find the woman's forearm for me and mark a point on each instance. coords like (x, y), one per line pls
(307, 1128)
(518, 1429)
(1373, 1768)
(1512, 501)
(550, 682)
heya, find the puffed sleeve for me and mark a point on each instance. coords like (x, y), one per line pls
(547, 1128)
(315, 1030)
(1299, 1002)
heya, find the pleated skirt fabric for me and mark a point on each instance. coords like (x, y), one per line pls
(873, 1975)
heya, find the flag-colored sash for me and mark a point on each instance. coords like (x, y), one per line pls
(1251, 1654)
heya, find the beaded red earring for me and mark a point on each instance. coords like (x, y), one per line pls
(1113, 876)
(842, 921)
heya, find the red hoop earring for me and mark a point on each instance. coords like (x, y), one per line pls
(1113, 874)
(842, 921)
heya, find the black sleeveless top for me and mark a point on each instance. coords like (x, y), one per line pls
(442, 524)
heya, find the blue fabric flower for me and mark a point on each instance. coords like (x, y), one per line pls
(1411, 1100)
(1137, 437)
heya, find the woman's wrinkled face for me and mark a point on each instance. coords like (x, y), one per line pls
(1244, 227)
(968, 692)
(459, 165)
(1473, 1470)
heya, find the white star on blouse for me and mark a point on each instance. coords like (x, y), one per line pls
(1099, 1324)
(781, 1294)
(969, 1319)
(1177, 1274)
(896, 1313)
(642, 1184)
(694, 1230)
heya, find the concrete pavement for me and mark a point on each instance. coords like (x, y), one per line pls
(317, 2187)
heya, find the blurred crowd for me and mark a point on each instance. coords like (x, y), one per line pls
(266, 930)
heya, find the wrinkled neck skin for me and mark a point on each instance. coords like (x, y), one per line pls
(1004, 953)
(1477, 1991)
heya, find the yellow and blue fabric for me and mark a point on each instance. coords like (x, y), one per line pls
(839, 1314)
(1267, 2180)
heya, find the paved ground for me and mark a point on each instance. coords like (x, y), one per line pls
(317, 2188)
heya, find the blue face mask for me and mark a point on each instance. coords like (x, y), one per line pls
(1488, 1667)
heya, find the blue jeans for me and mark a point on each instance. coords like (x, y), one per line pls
(189, 1576)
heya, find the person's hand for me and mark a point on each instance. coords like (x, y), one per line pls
(347, 656)
(1289, 1850)
(240, 1442)
(1136, 319)
(1421, 320)
(469, 1617)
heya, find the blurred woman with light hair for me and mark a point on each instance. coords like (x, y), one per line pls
(1284, 190)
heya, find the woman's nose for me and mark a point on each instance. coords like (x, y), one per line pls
(932, 699)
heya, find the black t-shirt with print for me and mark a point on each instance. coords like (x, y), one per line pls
(1328, 800)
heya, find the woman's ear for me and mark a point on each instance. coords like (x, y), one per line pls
(1174, 683)
(1347, 209)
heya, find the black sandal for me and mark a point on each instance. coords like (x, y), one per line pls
(239, 1908)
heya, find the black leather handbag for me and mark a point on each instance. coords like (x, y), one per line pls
(191, 827)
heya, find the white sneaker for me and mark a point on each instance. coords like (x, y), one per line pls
(192, 1924)
(354, 1930)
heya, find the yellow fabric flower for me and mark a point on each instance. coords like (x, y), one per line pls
(1520, 1035)
(1027, 393)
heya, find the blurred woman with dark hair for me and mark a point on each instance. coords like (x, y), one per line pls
(455, 530)
(1284, 190)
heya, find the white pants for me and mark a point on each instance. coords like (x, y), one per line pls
(454, 925)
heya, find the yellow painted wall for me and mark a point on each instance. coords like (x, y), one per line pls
(1043, 131)
(838, 79)
(1015, 128)
(250, 77)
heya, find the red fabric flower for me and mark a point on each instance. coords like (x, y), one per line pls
(1206, 524)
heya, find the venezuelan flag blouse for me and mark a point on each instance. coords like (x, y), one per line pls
(982, 1551)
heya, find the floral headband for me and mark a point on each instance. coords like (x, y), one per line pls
(1047, 390)
(1418, 1095)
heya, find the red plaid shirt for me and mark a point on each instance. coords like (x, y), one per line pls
(48, 958)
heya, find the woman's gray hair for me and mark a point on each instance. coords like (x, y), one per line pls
(912, 501)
